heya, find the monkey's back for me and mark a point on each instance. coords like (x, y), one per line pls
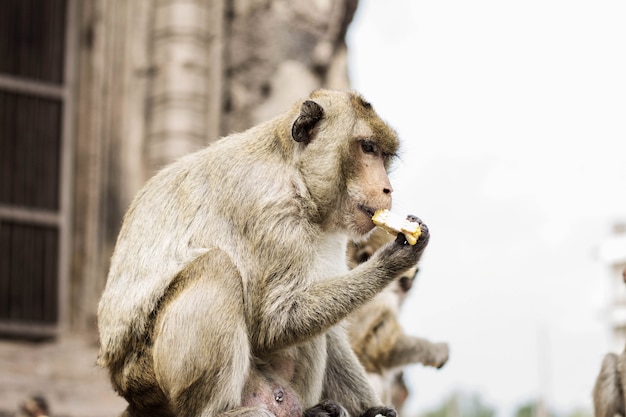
(211, 198)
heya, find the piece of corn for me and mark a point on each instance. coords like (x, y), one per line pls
(394, 224)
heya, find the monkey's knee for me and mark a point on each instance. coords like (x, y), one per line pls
(201, 348)
(217, 370)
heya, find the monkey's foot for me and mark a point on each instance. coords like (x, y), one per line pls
(382, 411)
(327, 408)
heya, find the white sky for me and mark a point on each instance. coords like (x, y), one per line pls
(513, 117)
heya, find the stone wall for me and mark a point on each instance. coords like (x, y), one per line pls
(161, 78)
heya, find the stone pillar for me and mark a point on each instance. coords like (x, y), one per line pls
(110, 123)
(278, 51)
(159, 79)
(183, 101)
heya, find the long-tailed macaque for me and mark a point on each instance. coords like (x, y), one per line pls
(229, 277)
(610, 385)
(608, 391)
(376, 335)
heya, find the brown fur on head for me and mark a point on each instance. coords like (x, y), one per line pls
(363, 162)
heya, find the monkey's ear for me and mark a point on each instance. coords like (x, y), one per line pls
(310, 114)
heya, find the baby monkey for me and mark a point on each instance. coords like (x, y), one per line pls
(376, 335)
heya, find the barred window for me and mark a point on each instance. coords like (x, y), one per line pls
(34, 163)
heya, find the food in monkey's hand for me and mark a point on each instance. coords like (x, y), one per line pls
(394, 224)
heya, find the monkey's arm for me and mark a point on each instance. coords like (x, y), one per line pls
(346, 381)
(293, 313)
(408, 350)
(380, 341)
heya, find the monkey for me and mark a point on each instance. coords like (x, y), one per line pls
(375, 332)
(608, 390)
(228, 283)
(610, 385)
(34, 406)
(399, 392)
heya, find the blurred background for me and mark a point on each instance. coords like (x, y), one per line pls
(512, 116)
(514, 153)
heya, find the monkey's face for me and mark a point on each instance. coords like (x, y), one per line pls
(345, 152)
(371, 189)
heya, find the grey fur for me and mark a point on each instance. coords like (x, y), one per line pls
(229, 279)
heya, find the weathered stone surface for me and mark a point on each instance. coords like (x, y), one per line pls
(155, 80)
(278, 51)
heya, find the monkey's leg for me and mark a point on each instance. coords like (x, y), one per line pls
(346, 381)
(409, 350)
(201, 349)
(608, 395)
(399, 391)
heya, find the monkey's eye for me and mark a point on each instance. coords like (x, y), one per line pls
(405, 283)
(368, 147)
(363, 257)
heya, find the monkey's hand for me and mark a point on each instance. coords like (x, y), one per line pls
(399, 255)
(379, 411)
(424, 234)
(440, 355)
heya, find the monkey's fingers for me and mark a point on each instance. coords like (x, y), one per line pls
(409, 227)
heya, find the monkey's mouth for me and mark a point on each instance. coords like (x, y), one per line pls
(367, 210)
